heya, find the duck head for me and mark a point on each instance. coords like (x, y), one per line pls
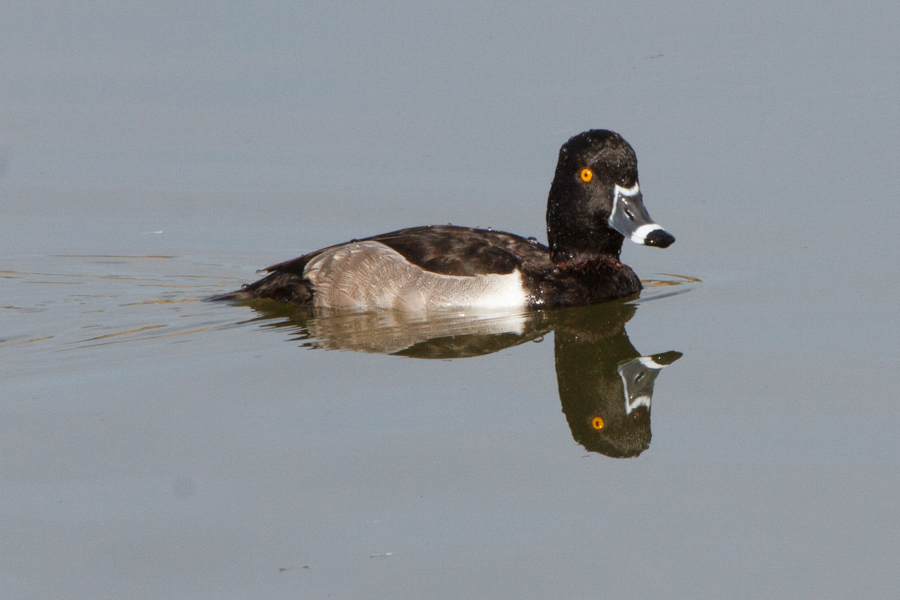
(595, 200)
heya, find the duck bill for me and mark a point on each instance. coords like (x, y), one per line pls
(630, 218)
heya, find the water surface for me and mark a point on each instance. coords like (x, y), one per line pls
(159, 446)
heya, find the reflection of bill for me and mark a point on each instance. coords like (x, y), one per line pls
(605, 385)
(638, 376)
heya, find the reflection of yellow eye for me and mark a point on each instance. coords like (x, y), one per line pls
(586, 175)
(597, 423)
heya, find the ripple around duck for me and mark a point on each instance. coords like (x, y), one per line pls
(664, 285)
(85, 301)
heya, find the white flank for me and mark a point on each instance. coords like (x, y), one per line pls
(365, 275)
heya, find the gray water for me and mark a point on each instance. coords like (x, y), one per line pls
(158, 446)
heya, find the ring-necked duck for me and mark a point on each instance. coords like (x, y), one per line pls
(595, 202)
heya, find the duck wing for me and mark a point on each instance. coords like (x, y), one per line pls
(448, 250)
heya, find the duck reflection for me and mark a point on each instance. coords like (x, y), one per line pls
(605, 385)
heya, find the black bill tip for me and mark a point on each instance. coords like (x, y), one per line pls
(659, 238)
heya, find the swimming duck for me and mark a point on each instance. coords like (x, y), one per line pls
(595, 203)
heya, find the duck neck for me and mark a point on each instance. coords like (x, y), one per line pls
(576, 227)
(573, 245)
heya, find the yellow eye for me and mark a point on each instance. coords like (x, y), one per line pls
(597, 423)
(586, 175)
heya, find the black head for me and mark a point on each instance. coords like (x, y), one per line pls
(595, 200)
